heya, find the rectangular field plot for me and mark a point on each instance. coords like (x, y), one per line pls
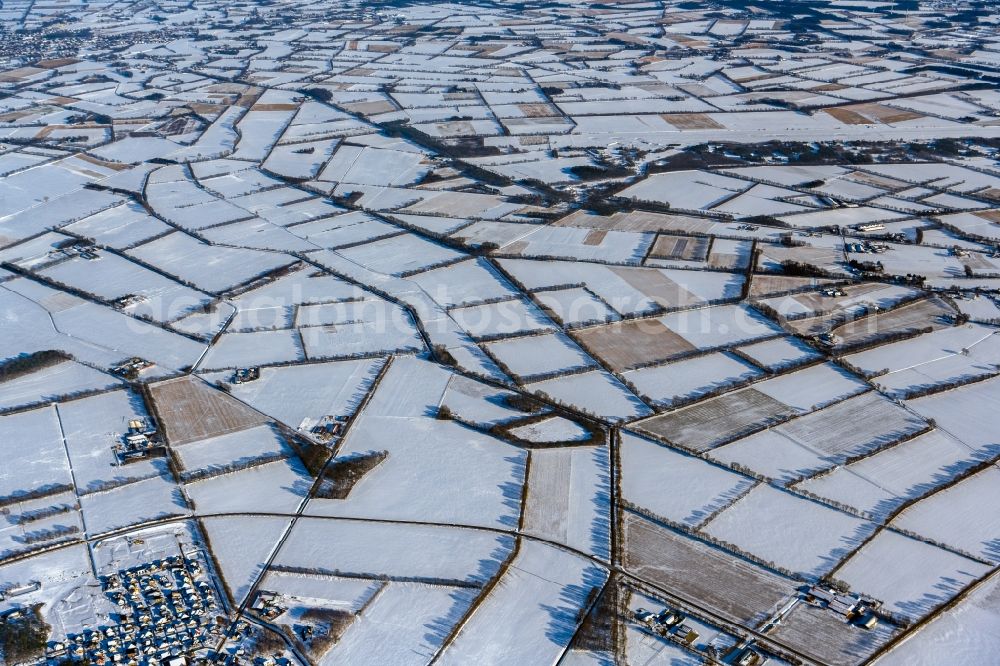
(575, 306)
(375, 311)
(911, 577)
(688, 248)
(732, 587)
(627, 344)
(209, 267)
(581, 244)
(686, 379)
(278, 487)
(720, 326)
(464, 283)
(931, 360)
(674, 486)
(191, 410)
(376, 550)
(729, 254)
(569, 497)
(360, 339)
(400, 254)
(234, 450)
(502, 318)
(716, 420)
(811, 388)
(53, 382)
(823, 438)
(238, 350)
(796, 534)
(132, 504)
(907, 318)
(34, 457)
(959, 516)
(539, 354)
(596, 392)
(300, 287)
(120, 227)
(880, 483)
(779, 353)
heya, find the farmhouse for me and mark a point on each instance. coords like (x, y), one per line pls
(852, 607)
(130, 369)
(139, 442)
(244, 375)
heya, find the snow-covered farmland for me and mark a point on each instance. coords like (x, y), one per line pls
(549, 587)
(956, 516)
(779, 527)
(675, 486)
(911, 577)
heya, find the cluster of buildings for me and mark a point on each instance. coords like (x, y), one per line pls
(328, 427)
(852, 607)
(141, 441)
(671, 623)
(668, 622)
(245, 375)
(131, 367)
(167, 612)
(867, 247)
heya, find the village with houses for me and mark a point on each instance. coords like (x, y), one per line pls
(556, 332)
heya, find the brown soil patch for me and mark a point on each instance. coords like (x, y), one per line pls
(274, 107)
(370, 108)
(887, 114)
(716, 421)
(687, 248)
(991, 215)
(846, 115)
(627, 344)
(56, 63)
(656, 286)
(190, 410)
(691, 121)
(540, 110)
(19, 74)
(734, 588)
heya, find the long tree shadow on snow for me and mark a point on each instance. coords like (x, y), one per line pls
(462, 598)
(566, 617)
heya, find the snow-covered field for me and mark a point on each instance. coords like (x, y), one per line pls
(595, 392)
(539, 354)
(548, 587)
(961, 635)
(782, 528)
(568, 498)
(132, 504)
(41, 465)
(439, 471)
(59, 380)
(955, 516)
(461, 331)
(911, 577)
